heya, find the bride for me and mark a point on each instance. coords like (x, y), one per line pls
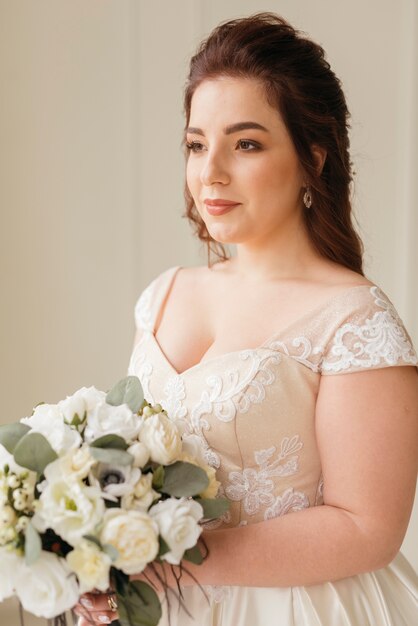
(290, 369)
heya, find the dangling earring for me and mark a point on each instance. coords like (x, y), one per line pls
(307, 197)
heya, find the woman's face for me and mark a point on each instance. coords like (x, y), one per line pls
(256, 168)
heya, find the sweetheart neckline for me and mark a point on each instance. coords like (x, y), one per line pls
(265, 344)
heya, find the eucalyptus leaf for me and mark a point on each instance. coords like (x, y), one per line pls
(110, 441)
(127, 391)
(158, 477)
(111, 456)
(138, 605)
(193, 555)
(11, 434)
(184, 479)
(111, 551)
(33, 545)
(93, 539)
(34, 452)
(213, 508)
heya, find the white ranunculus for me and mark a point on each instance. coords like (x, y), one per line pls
(48, 420)
(10, 563)
(140, 453)
(118, 420)
(162, 438)
(178, 523)
(82, 402)
(69, 507)
(142, 495)
(134, 535)
(47, 587)
(91, 565)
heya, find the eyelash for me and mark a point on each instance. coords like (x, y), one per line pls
(191, 145)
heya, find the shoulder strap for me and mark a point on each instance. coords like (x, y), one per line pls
(150, 300)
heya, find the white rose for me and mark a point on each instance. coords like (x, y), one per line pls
(47, 420)
(82, 402)
(142, 496)
(91, 565)
(134, 535)
(118, 420)
(75, 464)
(140, 453)
(48, 587)
(10, 563)
(69, 507)
(178, 522)
(162, 438)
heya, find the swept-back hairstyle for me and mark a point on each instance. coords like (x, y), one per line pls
(301, 86)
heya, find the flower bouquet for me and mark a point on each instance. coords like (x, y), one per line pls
(92, 490)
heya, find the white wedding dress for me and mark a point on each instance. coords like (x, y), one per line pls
(275, 469)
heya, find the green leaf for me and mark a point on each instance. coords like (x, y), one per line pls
(184, 479)
(158, 477)
(164, 547)
(139, 605)
(34, 452)
(111, 551)
(93, 539)
(213, 507)
(127, 391)
(110, 441)
(33, 545)
(11, 434)
(111, 456)
(193, 555)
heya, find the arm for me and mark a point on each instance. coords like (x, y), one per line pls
(367, 433)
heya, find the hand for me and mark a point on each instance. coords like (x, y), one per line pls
(94, 608)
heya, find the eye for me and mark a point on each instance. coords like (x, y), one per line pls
(254, 144)
(193, 146)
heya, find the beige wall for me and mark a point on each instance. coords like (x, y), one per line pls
(91, 171)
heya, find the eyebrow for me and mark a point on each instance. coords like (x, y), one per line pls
(232, 128)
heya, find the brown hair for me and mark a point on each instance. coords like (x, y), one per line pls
(300, 84)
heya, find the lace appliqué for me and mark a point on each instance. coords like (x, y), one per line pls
(255, 487)
(143, 310)
(175, 393)
(380, 338)
(139, 366)
(288, 502)
(232, 393)
(305, 353)
(319, 498)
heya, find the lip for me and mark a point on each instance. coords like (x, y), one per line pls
(219, 206)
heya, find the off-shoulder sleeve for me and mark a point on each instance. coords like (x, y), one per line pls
(369, 335)
(149, 300)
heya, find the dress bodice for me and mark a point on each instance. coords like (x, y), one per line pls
(252, 411)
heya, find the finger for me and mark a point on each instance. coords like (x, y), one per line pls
(96, 601)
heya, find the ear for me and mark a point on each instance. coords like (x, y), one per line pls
(320, 155)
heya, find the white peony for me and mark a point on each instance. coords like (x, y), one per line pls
(83, 402)
(162, 438)
(178, 523)
(118, 420)
(140, 453)
(48, 420)
(68, 506)
(48, 587)
(10, 563)
(134, 535)
(142, 495)
(91, 565)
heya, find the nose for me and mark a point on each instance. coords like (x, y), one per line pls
(214, 170)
